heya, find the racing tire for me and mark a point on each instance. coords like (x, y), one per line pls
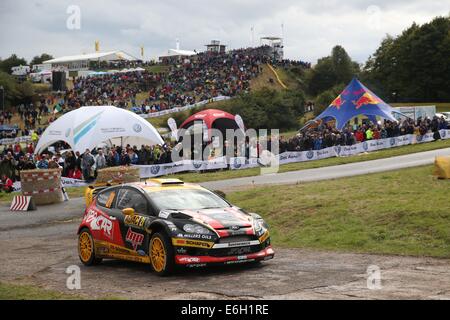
(86, 250)
(161, 254)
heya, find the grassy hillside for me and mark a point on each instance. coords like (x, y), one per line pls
(263, 80)
(158, 68)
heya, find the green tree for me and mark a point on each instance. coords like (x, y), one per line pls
(15, 92)
(268, 109)
(321, 77)
(336, 69)
(40, 59)
(9, 84)
(25, 92)
(12, 61)
(414, 66)
(344, 68)
(324, 99)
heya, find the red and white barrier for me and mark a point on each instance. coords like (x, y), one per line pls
(22, 203)
(40, 191)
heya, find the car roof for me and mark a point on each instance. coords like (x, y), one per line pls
(155, 185)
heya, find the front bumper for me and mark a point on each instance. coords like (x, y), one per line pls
(190, 260)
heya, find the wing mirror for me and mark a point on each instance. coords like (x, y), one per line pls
(220, 193)
(128, 212)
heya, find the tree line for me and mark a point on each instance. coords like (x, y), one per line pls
(14, 61)
(411, 67)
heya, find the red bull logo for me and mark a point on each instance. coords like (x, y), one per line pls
(365, 99)
(338, 102)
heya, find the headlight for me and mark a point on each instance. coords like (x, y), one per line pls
(195, 228)
(257, 224)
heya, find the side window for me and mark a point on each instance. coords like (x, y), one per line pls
(106, 198)
(128, 198)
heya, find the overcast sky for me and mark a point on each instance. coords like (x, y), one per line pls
(311, 28)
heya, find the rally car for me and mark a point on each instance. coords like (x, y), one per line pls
(167, 223)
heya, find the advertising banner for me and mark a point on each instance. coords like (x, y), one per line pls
(157, 170)
(178, 109)
(66, 183)
(23, 139)
(238, 163)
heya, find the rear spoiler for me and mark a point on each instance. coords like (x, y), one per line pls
(91, 191)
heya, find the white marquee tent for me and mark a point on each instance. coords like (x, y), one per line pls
(88, 127)
(96, 56)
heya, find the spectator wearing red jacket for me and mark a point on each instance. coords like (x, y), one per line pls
(7, 184)
(76, 174)
(359, 135)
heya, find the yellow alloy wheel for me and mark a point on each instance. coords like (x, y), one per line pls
(158, 254)
(85, 246)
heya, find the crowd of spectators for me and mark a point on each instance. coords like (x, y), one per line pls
(201, 77)
(324, 136)
(15, 158)
(5, 117)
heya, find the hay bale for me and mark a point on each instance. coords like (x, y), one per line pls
(442, 167)
(115, 175)
(44, 185)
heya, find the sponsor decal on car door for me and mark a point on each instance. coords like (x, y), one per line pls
(103, 226)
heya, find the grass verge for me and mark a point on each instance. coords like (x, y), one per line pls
(28, 292)
(405, 212)
(387, 153)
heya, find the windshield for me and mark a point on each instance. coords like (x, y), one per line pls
(190, 199)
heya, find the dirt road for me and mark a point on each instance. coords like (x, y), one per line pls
(40, 253)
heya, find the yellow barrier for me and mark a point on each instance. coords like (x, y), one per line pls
(276, 75)
(442, 167)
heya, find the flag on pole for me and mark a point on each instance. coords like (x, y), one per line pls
(173, 128)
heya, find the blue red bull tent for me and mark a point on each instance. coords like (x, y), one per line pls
(356, 100)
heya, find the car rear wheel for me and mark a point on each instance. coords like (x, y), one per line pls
(86, 250)
(161, 254)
